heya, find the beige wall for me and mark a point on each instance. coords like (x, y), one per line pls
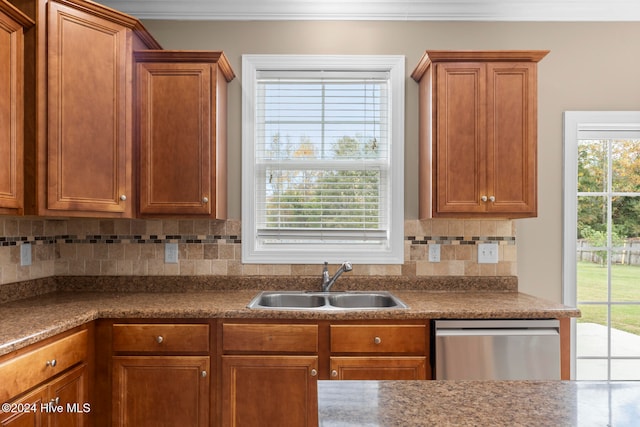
(592, 66)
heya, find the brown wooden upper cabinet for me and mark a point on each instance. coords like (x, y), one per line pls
(12, 26)
(181, 101)
(78, 108)
(478, 133)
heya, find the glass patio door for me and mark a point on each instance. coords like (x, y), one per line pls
(602, 242)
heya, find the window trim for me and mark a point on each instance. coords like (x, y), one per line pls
(394, 252)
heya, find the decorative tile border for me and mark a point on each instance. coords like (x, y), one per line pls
(230, 239)
(459, 240)
(111, 238)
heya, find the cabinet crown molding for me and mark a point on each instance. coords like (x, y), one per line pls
(431, 56)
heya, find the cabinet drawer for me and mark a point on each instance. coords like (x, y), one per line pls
(159, 338)
(378, 339)
(290, 338)
(32, 368)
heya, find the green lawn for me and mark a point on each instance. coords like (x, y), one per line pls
(592, 287)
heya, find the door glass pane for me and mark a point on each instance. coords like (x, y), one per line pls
(592, 165)
(591, 369)
(591, 278)
(625, 370)
(625, 330)
(625, 279)
(592, 331)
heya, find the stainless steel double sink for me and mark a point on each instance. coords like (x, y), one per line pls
(309, 301)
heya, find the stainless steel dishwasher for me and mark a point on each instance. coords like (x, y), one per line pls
(497, 349)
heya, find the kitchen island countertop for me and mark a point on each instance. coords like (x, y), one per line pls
(478, 403)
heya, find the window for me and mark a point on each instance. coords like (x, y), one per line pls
(602, 242)
(322, 159)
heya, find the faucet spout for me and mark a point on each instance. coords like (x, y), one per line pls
(327, 282)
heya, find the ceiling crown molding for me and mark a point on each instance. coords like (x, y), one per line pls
(396, 10)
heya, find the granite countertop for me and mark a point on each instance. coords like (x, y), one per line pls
(31, 319)
(478, 403)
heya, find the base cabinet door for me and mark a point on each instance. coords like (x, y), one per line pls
(378, 368)
(161, 391)
(63, 402)
(266, 391)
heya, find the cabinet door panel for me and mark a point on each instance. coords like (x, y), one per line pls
(31, 418)
(378, 368)
(511, 137)
(89, 143)
(460, 137)
(161, 391)
(175, 138)
(269, 391)
(11, 115)
(70, 393)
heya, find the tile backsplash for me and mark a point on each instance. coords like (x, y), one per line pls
(75, 247)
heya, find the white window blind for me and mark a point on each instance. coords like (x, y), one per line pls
(322, 161)
(322, 156)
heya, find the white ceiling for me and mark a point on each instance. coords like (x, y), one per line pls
(409, 10)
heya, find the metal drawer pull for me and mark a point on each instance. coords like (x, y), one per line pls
(377, 340)
(52, 363)
(159, 339)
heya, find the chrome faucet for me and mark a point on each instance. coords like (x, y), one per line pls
(327, 282)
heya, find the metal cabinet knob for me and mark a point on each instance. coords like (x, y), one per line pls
(205, 200)
(377, 340)
(159, 339)
(203, 374)
(334, 373)
(123, 197)
(492, 199)
(52, 363)
(484, 198)
(56, 400)
(314, 372)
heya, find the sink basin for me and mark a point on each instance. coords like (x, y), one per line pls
(363, 300)
(326, 301)
(278, 300)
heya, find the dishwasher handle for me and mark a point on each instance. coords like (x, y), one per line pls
(495, 332)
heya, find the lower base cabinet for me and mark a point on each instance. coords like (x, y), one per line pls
(159, 391)
(270, 370)
(62, 402)
(269, 391)
(160, 374)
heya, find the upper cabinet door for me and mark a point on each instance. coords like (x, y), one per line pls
(181, 102)
(512, 138)
(460, 137)
(89, 135)
(12, 24)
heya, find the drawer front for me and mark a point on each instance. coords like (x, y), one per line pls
(30, 369)
(159, 338)
(289, 338)
(378, 339)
